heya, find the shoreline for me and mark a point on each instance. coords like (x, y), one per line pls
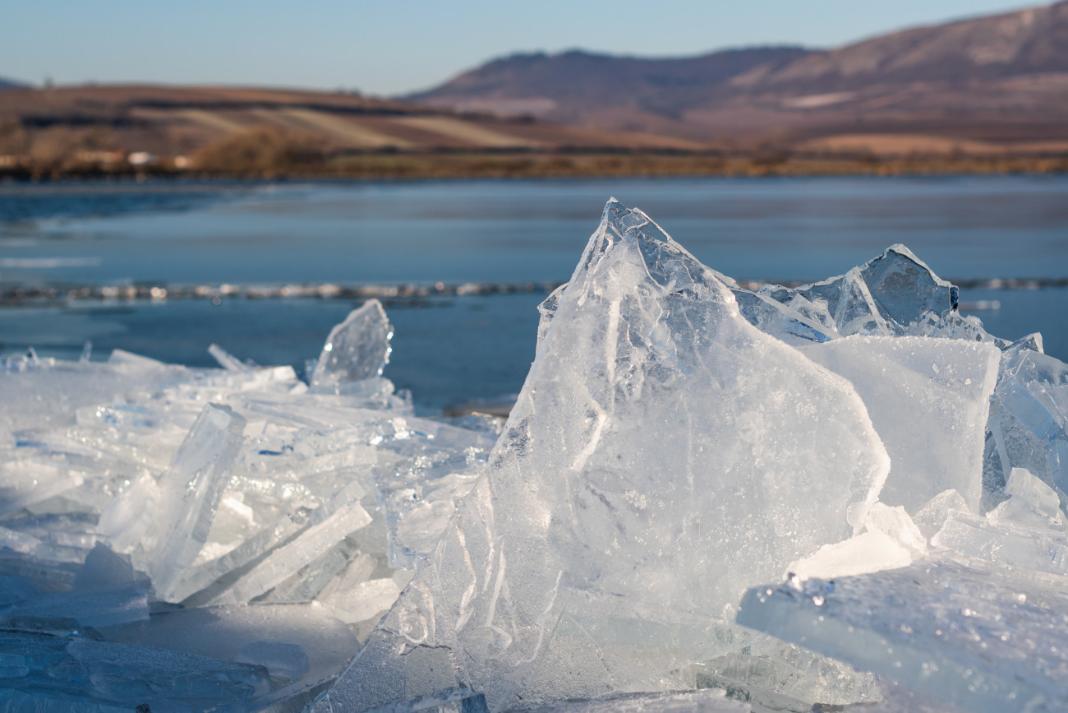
(389, 166)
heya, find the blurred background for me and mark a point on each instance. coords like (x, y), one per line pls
(176, 175)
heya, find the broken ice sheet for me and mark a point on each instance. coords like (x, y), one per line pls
(663, 452)
(299, 645)
(971, 636)
(929, 400)
(356, 349)
(79, 673)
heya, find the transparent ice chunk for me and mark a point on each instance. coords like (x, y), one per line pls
(1028, 425)
(1008, 545)
(663, 454)
(929, 401)
(356, 349)
(290, 557)
(1031, 503)
(227, 360)
(190, 492)
(887, 295)
(933, 515)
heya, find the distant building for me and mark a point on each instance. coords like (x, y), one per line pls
(103, 158)
(141, 158)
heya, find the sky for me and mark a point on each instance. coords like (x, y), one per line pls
(389, 47)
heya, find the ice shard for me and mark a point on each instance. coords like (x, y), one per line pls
(289, 558)
(929, 400)
(1028, 425)
(890, 540)
(930, 518)
(356, 349)
(227, 360)
(663, 455)
(1031, 503)
(893, 294)
(190, 493)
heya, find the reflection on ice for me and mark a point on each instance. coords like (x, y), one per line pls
(705, 498)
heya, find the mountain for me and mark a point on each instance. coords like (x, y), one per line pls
(571, 85)
(1027, 42)
(10, 84)
(994, 80)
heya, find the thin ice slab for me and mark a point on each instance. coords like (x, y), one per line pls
(1028, 426)
(970, 636)
(929, 399)
(356, 349)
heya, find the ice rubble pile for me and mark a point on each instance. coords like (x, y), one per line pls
(229, 538)
(144, 506)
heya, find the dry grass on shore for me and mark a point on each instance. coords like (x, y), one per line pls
(266, 154)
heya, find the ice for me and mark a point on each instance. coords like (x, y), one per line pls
(1031, 503)
(288, 558)
(228, 361)
(449, 700)
(663, 454)
(281, 659)
(131, 485)
(356, 349)
(300, 645)
(79, 673)
(977, 624)
(1025, 532)
(1028, 425)
(895, 293)
(930, 518)
(929, 400)
(1007, 545)
(707, 701)
(364, 600)
(191, 491)
(963, 635)
(776, 676)
(890, 540)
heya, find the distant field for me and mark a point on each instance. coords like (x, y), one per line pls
(228, 131)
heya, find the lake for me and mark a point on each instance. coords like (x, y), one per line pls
(500, 233)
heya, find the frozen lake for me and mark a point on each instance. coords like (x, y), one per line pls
(455, 348)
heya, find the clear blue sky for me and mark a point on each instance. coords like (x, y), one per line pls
(393, 46)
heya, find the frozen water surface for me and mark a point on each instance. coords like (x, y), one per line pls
(846, 494)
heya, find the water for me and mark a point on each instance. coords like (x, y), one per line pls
(454, 348)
